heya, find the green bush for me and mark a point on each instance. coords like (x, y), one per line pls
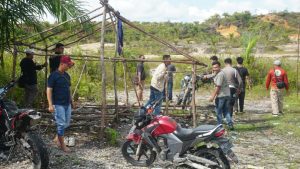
(112, 135)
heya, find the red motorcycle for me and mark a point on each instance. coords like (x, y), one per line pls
(17, 135)
(152, 136)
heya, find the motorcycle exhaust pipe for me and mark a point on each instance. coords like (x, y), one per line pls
(195, 165)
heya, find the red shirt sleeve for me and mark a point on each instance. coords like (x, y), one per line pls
(268, 80)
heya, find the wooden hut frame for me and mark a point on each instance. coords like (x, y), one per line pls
(106, 23)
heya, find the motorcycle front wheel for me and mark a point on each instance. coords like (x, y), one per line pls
(35, 149)
(144, 159)
(215, 155)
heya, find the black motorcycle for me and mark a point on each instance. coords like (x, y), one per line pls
(185, 96)
(17, 135)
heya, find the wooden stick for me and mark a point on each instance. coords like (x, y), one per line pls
(194, 96)
(62, 23)
(115, 68)
(15, 55)
(298, 62)
(102, 67)
(152, 36)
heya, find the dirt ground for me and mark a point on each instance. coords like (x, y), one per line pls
(259, 148)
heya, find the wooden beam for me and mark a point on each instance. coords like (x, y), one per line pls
(102, 67)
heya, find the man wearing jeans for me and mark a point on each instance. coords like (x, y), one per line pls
(60, 100)
(171, 69)
(221, 95)
(158, 83)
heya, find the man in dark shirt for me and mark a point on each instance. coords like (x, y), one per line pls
(245, 76)
(28, 68)
(169, 85)
(141, 75)
(55, 59)
(60, 99)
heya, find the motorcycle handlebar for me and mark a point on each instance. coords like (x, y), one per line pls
(7, 87)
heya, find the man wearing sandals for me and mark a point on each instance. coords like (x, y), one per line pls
(60, 99)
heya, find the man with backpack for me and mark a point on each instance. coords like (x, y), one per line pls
(234, 81)
(278, 79)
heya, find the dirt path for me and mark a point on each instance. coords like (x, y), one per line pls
(259, 148)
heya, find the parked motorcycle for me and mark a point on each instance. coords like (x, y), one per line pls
(16, 133)
(152, 136)
(185, 96)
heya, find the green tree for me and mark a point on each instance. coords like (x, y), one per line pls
(16, 13)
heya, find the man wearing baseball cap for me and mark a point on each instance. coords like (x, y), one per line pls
(60, 99)
(29, 76)
(278, 79)
(55, 59)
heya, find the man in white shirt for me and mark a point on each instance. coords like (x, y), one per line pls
(158, 83)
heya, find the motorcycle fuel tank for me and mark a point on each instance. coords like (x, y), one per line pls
(165, 125)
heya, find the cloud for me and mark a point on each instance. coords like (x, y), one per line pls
(192, 10)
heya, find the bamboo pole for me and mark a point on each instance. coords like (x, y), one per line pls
(46, 75)
(194, 96)
(151, 35)
(62, 23)
(102, 67)
(15, 55)
(298, 62)
(79, 79)
(115, 68)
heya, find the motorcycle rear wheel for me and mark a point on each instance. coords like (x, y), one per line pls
(144, 159)
(215, 155)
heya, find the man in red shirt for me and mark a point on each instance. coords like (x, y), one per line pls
(276, 76)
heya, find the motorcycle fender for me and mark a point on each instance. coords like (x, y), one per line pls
(134, 137)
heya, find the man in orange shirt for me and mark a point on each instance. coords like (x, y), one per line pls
(278, 79)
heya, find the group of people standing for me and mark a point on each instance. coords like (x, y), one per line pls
(230, 88)
(58, 88)
(228, 95)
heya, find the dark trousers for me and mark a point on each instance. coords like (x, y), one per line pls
(169, 89)
(31, 92)
(233, 98)
(240, 100)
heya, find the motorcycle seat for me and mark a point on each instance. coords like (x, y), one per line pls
(190, 134)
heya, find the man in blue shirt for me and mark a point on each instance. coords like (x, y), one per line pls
(60, 99)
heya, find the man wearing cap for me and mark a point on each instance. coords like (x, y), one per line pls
(55, 59)
(60, 99)
(278, 79)
(29, 68)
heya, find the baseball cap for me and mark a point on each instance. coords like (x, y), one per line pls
(29, 51)
(67, 60)
(277, 62)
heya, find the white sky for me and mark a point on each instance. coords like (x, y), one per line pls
(190, 10)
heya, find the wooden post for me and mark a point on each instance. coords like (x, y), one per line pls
(115, 67)
(298, 63)
(102, 67)
(15, 55)
(194, 96)
(125, 82)
(46, 76)
(167, 94)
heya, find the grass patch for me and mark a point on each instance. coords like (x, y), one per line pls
(289, 123)
(112, 136)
